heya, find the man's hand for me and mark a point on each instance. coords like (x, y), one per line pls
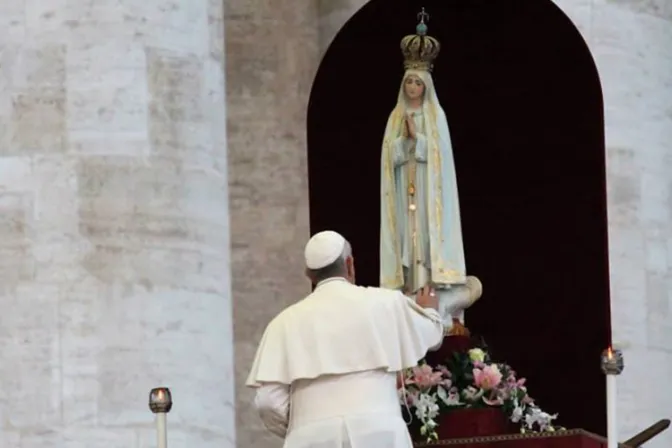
(426, 298)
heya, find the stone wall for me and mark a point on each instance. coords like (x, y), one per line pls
(114, 228)
(332, 16)
(271, 57)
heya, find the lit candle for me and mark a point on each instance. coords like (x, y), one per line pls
(162, 430)
(612, 433)
(612, 366)
(160, 402)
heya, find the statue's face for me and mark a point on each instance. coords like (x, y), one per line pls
(414, 88)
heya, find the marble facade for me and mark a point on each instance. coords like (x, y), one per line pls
(114, 227)
(271, 56)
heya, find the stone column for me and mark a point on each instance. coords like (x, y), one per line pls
(114, 228)
(271, 59)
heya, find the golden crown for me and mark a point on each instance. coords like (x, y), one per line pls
(419, 49)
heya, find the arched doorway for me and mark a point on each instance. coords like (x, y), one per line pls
(524, 103)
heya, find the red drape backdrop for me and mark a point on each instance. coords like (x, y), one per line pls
(524, 104)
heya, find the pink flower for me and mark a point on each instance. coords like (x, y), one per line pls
(488, 377)
(412, 397)
(504, 393)
(444, 371)
(423, 376)
(408, 397)
(512, 386)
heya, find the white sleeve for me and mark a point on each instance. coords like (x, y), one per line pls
(435, 316)
(272, 402)
(427, 323)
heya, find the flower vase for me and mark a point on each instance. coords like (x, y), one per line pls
(474, 422)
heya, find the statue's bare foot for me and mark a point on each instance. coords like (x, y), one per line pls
(475, 288)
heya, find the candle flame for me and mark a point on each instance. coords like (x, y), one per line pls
(160, 395)
(610, 353)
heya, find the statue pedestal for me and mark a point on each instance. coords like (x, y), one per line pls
(576, 438)
(482, 422)
(467, 423)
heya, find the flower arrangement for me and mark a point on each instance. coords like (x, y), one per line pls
(470, 380)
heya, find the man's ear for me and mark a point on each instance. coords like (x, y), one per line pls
(310, 277)
(350, 266)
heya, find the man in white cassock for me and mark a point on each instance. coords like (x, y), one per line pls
(326, 367)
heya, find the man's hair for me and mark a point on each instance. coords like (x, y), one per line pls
(335, 269)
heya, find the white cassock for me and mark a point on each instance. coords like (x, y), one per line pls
(326, 367)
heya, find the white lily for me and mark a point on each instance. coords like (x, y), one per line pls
(449, 399)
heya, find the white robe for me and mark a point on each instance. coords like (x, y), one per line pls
(326, 367)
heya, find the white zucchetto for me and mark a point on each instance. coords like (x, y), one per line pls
(323, 249)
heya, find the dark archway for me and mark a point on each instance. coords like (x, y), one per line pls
(524, 103)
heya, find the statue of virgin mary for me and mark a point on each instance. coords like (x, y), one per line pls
(421, 234)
